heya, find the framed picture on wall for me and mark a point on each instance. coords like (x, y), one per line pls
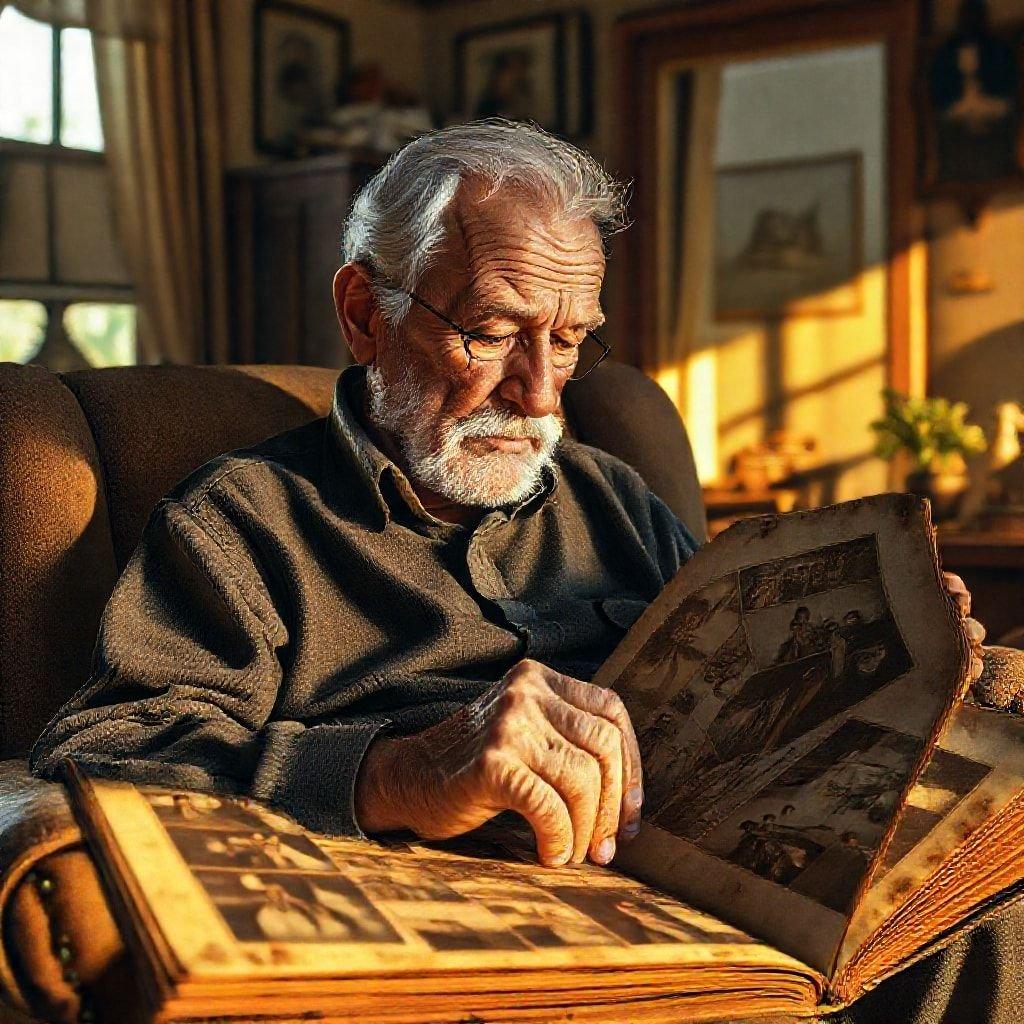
(789, 238)
(536, 69)
(300, 60)
(971, 99)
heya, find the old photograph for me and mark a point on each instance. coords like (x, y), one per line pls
(202, 809)
(537, 916)
(947, 779)
(678, 648)
(811, 572)
(816, 827)
(455, 924)
(267, 907)
(203, 848)
(631, 916)
(823, 657)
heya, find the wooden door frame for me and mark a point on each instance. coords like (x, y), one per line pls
(724, 28)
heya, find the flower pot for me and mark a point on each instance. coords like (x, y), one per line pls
(944, 490)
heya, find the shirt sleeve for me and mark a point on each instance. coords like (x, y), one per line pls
(672, 542)
(663, 534)
(185, 678)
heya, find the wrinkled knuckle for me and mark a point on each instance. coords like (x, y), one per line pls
(588, 772)
(607, 739)
(493, 764)
(525, 669)
(506, 728)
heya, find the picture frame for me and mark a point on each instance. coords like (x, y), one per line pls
(789, 238)
(970, 98)
(300, 62)
(533, 69)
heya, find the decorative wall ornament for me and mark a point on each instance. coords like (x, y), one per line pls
(972, 114)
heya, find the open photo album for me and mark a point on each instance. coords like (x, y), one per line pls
(822, 808)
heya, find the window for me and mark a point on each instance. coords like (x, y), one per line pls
(66, 297)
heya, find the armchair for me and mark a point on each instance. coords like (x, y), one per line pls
(84, 457)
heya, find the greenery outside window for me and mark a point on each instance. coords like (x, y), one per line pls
(66, 297)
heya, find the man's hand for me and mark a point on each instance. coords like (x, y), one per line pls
(560, 752)
(957, 589)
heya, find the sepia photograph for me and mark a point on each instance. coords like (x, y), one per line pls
(815, 828)
(202, 810)
(537, 916)
(788, 238)
(264, 907)
(672, 656)
(785, 580)
(203, 848)
(946, 780)
(632, 917)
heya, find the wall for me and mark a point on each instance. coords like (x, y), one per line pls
(385, 31)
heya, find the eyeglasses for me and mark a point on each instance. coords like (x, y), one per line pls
(581, 355)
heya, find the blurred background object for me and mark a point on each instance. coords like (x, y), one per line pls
(933, 436)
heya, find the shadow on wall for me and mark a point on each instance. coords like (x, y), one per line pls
(983, 373)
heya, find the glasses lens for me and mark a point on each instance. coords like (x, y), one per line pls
(590, 354)
(486, 349)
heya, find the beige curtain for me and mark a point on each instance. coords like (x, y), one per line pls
(156, 68)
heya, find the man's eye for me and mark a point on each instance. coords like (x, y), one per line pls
(494, 340)
(567, 342)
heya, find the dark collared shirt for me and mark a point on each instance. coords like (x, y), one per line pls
(290, 600)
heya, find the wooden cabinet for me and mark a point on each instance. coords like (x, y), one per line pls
(284, 232)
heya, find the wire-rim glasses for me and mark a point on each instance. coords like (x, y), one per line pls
(487, 348)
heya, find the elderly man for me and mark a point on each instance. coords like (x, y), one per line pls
(385, 619)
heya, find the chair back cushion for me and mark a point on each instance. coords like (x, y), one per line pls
(85, 456)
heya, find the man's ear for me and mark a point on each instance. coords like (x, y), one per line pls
(358, 314)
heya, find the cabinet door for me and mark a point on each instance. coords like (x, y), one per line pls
(286, 238)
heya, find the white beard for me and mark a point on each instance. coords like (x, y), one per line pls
(435, 452)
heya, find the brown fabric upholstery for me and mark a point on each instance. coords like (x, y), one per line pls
(86, 456)
(56, 559)
(155, 425)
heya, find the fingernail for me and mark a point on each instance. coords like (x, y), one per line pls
(631, 829)
(605, 851)
(634, 796)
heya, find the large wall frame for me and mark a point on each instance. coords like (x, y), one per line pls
(721, 29)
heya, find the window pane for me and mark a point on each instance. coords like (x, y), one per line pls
(80, 126)
(103, 332)
(26, 78)
(22, 329)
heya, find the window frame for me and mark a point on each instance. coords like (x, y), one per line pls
(53, 294)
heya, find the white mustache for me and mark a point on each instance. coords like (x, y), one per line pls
(496, 423)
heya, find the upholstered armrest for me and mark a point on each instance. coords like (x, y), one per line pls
(60, 953)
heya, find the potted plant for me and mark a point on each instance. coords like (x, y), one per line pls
(935, 435)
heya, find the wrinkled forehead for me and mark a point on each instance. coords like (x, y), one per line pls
(512, 250)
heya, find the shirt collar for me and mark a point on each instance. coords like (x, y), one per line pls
(349, 448)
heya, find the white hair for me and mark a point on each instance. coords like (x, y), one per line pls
(396, 225)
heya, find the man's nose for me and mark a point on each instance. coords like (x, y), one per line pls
(530, 381)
